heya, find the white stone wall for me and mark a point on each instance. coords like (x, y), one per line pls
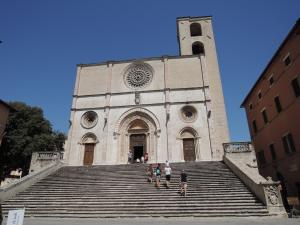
(177, 82)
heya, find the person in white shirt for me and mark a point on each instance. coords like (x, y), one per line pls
(167, 163)
(168, 171)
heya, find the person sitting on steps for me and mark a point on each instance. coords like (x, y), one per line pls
(150, 173)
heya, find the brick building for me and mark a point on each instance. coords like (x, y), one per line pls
(5, 109)
(273, 110)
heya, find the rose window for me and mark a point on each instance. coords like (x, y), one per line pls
(89, 119)
(188, 113)
(138, 75)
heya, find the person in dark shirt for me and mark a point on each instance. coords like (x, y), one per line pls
(157, 174)
(183, 183)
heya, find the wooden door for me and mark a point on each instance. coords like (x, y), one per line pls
(189, 149)
(88, 154)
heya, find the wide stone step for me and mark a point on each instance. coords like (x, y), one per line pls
(159, 212)
(122, 191)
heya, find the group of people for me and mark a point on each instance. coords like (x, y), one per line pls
(143, 159)
(156, 172)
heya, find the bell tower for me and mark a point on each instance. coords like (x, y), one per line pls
(195, 35)
(196, 40)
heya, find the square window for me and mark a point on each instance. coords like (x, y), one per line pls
(278, 104)
(296, 87)
(288, 143)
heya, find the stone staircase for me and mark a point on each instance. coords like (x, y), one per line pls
(122, 191)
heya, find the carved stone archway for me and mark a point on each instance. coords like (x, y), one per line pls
(150, 129)
(89, 141)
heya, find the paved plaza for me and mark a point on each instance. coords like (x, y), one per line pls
(162, 221)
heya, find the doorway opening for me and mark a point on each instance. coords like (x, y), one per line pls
(138, 152)
(88, 154)
(189, 149)
(138, 145)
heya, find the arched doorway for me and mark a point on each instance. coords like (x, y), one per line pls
(189, 145)
(137, 130)
(89, 141)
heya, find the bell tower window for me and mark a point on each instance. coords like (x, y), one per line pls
(198, 48)
(195, 29)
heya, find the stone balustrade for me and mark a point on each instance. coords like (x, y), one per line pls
(237, 147)
(42, 159)
(49, 155)
(240, 158)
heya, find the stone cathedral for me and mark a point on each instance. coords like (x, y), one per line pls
(170, 107)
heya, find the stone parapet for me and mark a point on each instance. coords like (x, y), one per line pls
(240, 158)
(25, 182)
(40, 160)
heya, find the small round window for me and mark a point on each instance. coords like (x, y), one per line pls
(188, 113)
(89, 119)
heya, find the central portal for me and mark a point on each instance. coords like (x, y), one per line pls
(138, 145)
(138, 140)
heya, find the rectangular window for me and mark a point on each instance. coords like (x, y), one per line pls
(261, 157)
(271, 80)
(264, 115)
(288, 143)
(296, 87)
(250, 106)
(272, 150)
(278, 104)
(254, 126)
(287, 60)
(259, 95)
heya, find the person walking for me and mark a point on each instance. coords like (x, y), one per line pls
(183, 183)
(150, 173)
(157, 174)
(168, 171)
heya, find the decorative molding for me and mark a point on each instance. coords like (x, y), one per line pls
(137, 111)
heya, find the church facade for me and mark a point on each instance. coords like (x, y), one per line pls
(170, 107)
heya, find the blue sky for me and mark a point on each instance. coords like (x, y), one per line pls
(42, 41)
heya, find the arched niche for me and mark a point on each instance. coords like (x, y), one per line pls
(89, 138)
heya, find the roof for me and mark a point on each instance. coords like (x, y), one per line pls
(136, 60)
(7, 105)
(272, 59)
(193, 17)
